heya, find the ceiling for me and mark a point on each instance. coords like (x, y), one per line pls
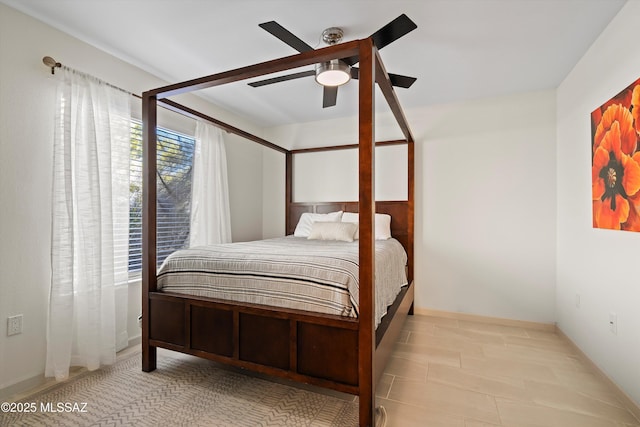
(461, 50)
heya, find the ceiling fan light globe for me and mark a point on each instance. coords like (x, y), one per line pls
(334, 73)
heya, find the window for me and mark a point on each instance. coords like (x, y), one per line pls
(175, 163)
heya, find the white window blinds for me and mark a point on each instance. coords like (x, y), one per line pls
(175, 164)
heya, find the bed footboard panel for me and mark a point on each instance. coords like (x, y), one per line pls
(212, 330)
(316, 349)
(167, 321)
(324, 351)
(313, 348)
(265, 341)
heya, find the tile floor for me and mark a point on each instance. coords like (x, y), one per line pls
(447, 372)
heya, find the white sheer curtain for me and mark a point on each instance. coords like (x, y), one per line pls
(90, 220)
(210, 216)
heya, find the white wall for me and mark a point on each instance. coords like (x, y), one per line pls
(27, 92)
(485, 200)
(244, 167)
(273, 189)
(599, 265)
(485, 233)
(335, 175)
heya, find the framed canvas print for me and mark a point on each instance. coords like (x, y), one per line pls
(615, 161)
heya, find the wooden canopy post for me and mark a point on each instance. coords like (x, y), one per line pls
(288, 189)
(411, 214)
(366, 331)
(149, 227)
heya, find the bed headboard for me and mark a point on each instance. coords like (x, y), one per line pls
(399, 211)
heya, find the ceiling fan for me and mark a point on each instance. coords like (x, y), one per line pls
(339, 71)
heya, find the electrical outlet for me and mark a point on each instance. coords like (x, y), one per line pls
(613, 323)
(14, 325)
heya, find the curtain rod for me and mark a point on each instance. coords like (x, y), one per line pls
(175, 107)
(53, 64)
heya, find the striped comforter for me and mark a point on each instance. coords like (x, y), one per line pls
(289, 272)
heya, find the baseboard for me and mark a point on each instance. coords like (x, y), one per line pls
(134, 341)
(549, 327)
(624, 398)
(12, 391)
(7, 393)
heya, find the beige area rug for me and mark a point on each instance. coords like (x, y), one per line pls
(183, 391)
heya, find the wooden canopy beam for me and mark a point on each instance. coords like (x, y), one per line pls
(174, 106)
(382, 78)
(347, 147)
(341, 50)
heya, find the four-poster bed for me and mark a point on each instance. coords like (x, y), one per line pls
(342, 353)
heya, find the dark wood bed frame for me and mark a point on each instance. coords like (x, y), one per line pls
(345, 354)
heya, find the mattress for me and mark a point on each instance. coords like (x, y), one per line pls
(289, 272)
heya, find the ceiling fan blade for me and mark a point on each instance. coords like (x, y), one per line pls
(285, 35)
(391, 32)
(329, 96)
(397, 80)
(351, 60)
(401, 81)
(283, 78)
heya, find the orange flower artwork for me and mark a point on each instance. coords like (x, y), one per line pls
(615, 161)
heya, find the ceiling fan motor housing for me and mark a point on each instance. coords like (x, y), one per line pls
(332, 35)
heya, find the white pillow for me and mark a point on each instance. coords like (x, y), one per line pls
(382, 225)
(307, 219)
(343, 231)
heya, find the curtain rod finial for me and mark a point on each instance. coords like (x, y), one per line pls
(50, 62)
